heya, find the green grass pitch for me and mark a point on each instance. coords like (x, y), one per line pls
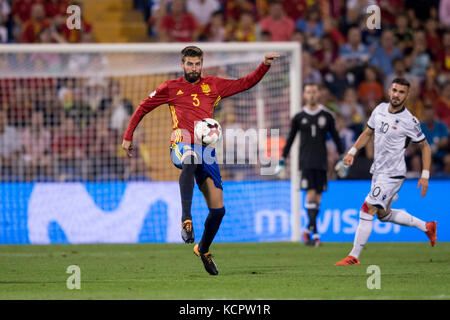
(282, 270)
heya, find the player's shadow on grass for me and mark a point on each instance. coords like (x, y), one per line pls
(261, 270)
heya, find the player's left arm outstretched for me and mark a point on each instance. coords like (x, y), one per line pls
(229, 87)
(426, 163)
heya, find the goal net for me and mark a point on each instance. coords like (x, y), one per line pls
(65, 108)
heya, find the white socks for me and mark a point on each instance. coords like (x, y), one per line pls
(366, 222)
(405, 219)
(362, 233)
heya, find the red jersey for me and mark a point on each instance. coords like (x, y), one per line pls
(191, 102)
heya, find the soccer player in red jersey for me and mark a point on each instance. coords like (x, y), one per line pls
(192, 98)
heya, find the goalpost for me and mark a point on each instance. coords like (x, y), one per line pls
(80, 97)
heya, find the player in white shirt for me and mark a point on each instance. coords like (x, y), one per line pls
(393, 127)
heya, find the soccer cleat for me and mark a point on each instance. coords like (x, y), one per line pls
(207, 260)
(348, 261)
(431, 232)
(306, 238)
(187, 231)
(317, 243)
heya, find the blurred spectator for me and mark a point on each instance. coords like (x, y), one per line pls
(234, 9)
(178, 25)
(68, 152)
(56, 9)
(429, 93)
(385, 53)
(422, 10)
(311, 24)
(339, 78)
(96, 91)
(443, 56)
(215, 31)
(47, 103)
(50, 35)
(156, 10)
(245, 30)
(350, 110)
(327, 99)
(297, 36)
(295, 9)
(309, 74)
(443, 105)
(101, 144)
(3, 34)
(390, 9)
(202, 10)
(65, 93)
(21, 106)
(433, 38)
(419, 59)
(444, 12)
(325, 55)
(33, 26)
(330, 28)
(116, 107)
(5, 11)
(347, 137)
(21, 11)
(436, 133)
(403, 33)
(277, 22)
(36, 144)
(414, 104)
(265, 36)
(399, 68)
(354, 51)
(80, 110)
(370, 91)
(9, 147)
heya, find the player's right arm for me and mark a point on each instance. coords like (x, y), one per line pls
(291, 136)
(360, 143)
(156, 98)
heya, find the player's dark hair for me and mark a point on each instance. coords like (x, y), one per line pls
(311, 84)
(401, 81)
(191, 51)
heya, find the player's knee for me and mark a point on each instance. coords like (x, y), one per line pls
(383, 214)
(369, 209)
(220, 211)
(189, 163)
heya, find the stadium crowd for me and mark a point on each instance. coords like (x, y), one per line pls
(353, 63)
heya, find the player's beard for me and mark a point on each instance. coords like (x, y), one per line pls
(397, 103)
(192, 76)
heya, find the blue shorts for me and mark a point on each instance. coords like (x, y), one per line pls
(208, 166)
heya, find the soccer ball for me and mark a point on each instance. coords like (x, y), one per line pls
(207, 131)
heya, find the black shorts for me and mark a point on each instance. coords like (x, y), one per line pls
(312, 179)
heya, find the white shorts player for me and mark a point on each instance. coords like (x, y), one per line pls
(393, 128)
